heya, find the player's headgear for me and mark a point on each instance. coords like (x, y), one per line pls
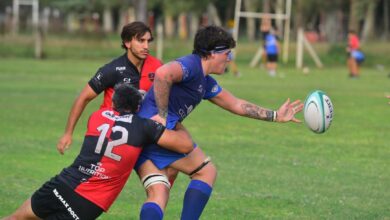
(211, 39)
(126, 98)
(135, 29)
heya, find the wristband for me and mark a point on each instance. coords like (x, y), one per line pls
(274, 116)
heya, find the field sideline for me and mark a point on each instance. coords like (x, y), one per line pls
(266, 170)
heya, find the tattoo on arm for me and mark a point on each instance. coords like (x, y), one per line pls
(254, 111)
(161, 91)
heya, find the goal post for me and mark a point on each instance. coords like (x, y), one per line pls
(286, 17)
(38, 35)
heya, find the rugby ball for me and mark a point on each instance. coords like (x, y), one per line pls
(318, 111)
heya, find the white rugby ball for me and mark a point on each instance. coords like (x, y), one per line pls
(318, 111)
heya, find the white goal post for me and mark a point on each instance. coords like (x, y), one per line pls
(35, 23)
(238, 13)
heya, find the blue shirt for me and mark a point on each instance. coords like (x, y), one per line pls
(185, 95)
(271, 45)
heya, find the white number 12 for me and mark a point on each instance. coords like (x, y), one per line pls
(111, 144)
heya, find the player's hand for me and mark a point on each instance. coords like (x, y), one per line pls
(287, 111)
(388, 97)
(159, 119)
(64, 143)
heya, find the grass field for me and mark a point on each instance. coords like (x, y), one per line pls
(266, 170)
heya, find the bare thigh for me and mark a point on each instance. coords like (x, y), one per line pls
(192, 161)
(23, 212)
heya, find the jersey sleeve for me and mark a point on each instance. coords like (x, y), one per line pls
(153, 131)
(104, 78)
(186, 71)
(212, 88)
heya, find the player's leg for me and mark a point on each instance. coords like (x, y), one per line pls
(203, 174)
(354, 67)
(172, 174)
(157, 189)
(23, 212)
(357, 65)
(271, 64)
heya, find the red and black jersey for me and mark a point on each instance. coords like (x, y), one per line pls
(122, 70)
(111, 147)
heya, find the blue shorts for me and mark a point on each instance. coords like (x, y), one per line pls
(161, 157)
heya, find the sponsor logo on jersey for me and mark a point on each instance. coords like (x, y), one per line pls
(99, 76)
(200, 89)
(120, 68)
(66, 204)
(127, 80)
(94, 170)
(124, 118)
(183, 113)
(151, 76)
(214, 89)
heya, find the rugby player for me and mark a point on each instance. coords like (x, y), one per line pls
(178, 88)
(355, 56)
(136, 67)
(271, 48)
(112, 144)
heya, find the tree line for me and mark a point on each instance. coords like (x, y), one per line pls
(330, 20)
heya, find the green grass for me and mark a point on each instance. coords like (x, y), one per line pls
(266, 170)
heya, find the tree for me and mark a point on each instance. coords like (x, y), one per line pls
(368, 28)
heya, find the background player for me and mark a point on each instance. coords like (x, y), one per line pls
(136, 67)
(178, 88)
(271, 50)
(112, 144)
(355, 56)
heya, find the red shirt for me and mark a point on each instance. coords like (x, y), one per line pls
(110, 149)
(353, 42)
(122, 70)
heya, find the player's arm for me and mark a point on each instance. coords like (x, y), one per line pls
(285, 113)
(86, 95)
(178, 140)
(165, 76)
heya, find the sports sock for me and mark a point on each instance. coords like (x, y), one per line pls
(151, 211)
(195, 199)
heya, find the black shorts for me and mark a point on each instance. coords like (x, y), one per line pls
(272, 58)
(55, 200)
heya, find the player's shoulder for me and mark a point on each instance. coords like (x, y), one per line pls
(103, 111)
(153, 60)
(190, 61)
(117, 64)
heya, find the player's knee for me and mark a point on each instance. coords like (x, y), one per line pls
(157, 189)
(157, 192)
(156, 184)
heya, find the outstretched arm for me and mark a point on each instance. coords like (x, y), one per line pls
(388, 97)
(285, 113)
(165, 76)
(77, 109)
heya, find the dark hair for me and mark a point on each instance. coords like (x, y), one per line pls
(135, 29)
(211, 38)
(126, 98)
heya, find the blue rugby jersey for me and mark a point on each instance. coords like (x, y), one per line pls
(185, 95)
(183, 98)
